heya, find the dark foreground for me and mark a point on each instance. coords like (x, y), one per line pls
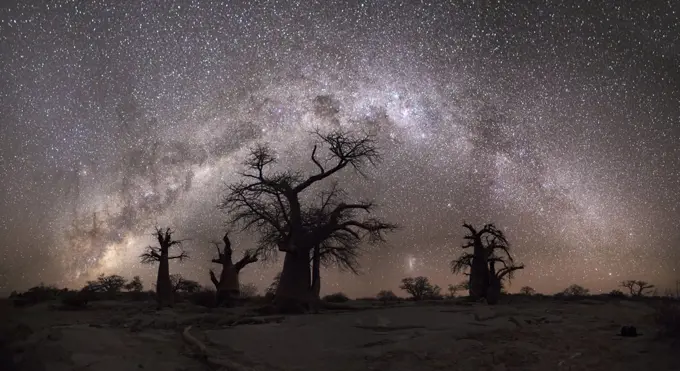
(524, 334)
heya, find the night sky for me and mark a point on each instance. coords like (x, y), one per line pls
(560, 123)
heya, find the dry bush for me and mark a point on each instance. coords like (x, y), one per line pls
(387, 296)
(36, 295)
(338, 297)
(204, 297)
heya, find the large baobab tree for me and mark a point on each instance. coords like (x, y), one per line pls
(490, 247)
(228, 286)
(270, 202)
(161, 255)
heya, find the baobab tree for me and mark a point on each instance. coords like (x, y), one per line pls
(490, 247)
(340, 247)
(228, 286)
(271, 202)
(637, 288)
(161, 254)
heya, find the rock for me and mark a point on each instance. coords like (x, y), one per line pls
(629, 331)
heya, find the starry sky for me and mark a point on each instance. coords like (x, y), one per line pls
(558, 121)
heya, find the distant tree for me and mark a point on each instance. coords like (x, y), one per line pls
(420, 288)
(228, 286)
(637, 288)
(490, 247)
(106, 284)
(248, 290)
(387, 295)
(181, 284)
(135, 285)
(161, 255)
(576, 290)
(271, 290)
(453, 289)
(526, 290)
(617, 294)
(271, 203)
(337, 297)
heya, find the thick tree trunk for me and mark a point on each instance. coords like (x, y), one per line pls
(316, 273)
(493, 293)
(229, 287)
(292, 294)
(315, 289)
(164, 294)
(479, 272)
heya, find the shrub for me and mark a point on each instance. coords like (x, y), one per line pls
(36, 295)
(667, 317)
(387, 296)
(182, 285)
(420, 288)
(135, 285)
(616, 294)
(338, 297)
(247, 290)
(576, 290)
(76, 299)
(205, 297)
(107, 284)
(526, 290)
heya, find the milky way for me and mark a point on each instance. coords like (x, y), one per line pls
(559, 123)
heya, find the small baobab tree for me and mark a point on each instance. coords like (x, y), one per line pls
(271, 202)
(161, 255)
(637, 288)
(228, 285)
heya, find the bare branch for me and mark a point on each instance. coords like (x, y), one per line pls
(183, 255)
(214, 279)
(248, 258)
(151, 256)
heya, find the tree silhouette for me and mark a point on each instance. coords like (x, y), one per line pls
(271, 290)
(181, 284)
(387, 295)
(637, 288)
(478, 259)
(576, 290)
(420, 288)
(107, 284)
(248, 290)
(161, 254)
(490, 247)
(135, 285)
(339, 246)
(526, 290)
(269, 202)
(228, 286)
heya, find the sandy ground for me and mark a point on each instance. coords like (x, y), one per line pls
(526, 334)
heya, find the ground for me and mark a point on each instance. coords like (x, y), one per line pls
(518, 334)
